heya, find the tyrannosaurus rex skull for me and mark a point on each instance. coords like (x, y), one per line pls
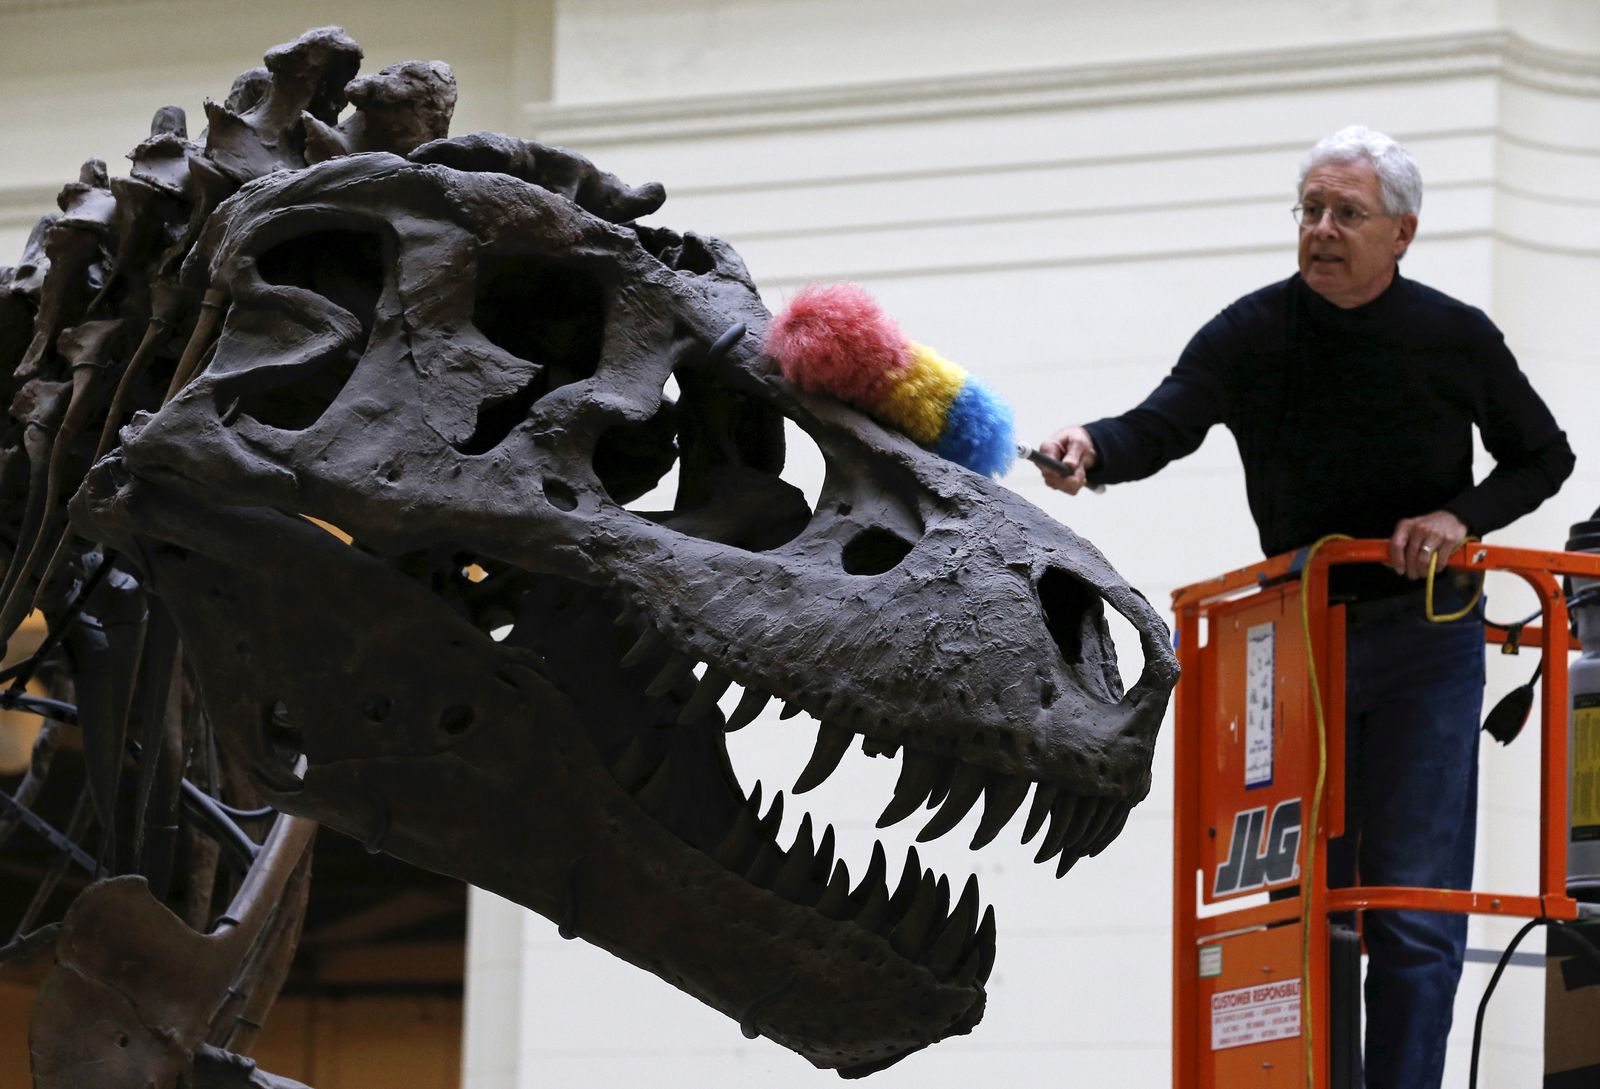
(465, 372)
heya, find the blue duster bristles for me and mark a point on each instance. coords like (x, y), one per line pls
(979, 431)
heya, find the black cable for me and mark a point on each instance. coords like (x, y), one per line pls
(22, 672)
(14, 699)
(1483, 1003)
(1578, 600)
(260, 814)
(206, 810)
(1581, 941)
(200, 805)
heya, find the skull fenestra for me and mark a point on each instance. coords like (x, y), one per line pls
(459, 356)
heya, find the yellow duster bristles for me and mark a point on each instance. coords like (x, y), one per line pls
(920, 399)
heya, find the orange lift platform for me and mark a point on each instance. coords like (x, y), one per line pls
(1254, 984)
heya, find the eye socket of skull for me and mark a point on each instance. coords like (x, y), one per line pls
(729, 449)
(548, 313)
(300, 276)
(344, 266)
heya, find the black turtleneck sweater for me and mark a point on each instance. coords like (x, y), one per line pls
(1350, 420)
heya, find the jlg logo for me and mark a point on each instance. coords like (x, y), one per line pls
(1251, 865)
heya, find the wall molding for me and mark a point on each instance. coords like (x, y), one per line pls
(1494, 54)
(21, 206)
(23, 7)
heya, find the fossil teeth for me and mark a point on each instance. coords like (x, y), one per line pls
(985, 942)
(654, 792)
(769, 858)
(909, 878)
(941, 784)
(824, 863)
(1002, 796)
(738, 847)
(675, 669)
(1067, 860)
(835, 903)
(774, 818)
(941, 899)
(911, 934)
(877, 870)
(712, 685)
(629, 614)
(832, 741)
(791, 708)
(1066, 812)
(633, 767)
(1043, 798)
(750, 705)
(874, 746)
(965, 788)
(874, 910)
(966, 973)
(649, 641)
(979, 959)
(793, 880)
(1089, 814)
(1112, 831)
(918, 770)
(952, 939)
(1105, 812)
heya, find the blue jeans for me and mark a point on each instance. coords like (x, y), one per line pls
(1414, 700)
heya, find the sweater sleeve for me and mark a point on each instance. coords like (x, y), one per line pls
(1170, 423)
(1531, 453)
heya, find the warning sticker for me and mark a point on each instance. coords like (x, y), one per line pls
(1260, 652)
(1254, 1015)
(1586, 767)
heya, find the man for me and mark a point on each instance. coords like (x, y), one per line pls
(1352, 393)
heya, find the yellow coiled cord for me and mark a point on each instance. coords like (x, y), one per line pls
(1309, 838)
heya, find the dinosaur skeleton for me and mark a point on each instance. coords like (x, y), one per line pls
(456, 351)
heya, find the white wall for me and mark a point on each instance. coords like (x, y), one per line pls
(1055, 195)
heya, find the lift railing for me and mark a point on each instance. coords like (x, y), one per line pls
(1251, 981)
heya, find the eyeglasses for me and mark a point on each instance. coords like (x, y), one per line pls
(1346, 217)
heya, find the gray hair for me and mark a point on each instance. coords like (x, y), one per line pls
(1398, 177)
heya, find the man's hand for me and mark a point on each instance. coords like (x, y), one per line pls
(1416, 539)
(1073, 446)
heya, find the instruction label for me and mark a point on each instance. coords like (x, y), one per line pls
(1210, 961)
(1254, 1015)
(1260, 665)
(1586, 767)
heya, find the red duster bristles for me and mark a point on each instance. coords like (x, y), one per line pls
(835, 339)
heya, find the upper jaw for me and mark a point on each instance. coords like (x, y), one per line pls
(1025, 686)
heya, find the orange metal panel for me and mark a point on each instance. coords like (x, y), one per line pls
(1255, 772)
(1249, 1013)
(1239, 764)
(1247, 918)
